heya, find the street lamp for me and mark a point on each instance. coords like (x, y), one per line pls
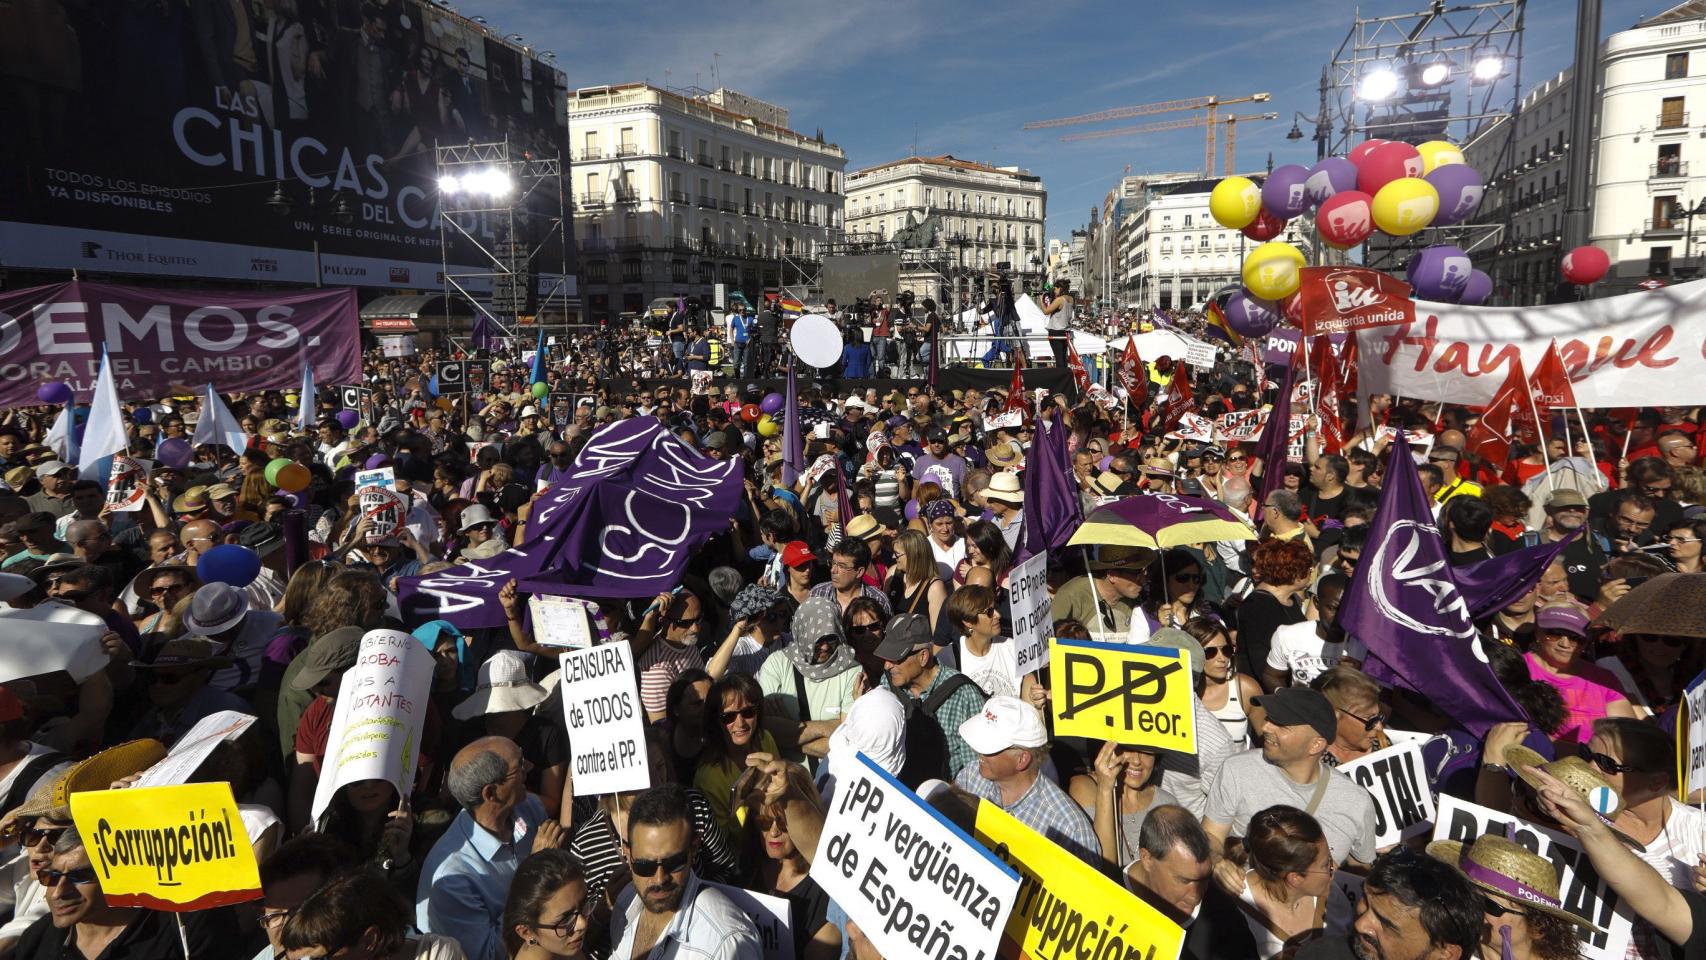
(341, 211)
(1698, 210)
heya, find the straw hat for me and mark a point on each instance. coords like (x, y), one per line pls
(96, 773)
(1577, 774)
(1507, 868)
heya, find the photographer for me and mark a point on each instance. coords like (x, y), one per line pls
(1059, 311)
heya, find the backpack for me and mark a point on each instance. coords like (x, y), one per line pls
(926, 741)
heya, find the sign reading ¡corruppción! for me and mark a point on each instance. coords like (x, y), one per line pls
(1397, 779)
(176, 849)
(1580, 888)
(1067, 908)
(916, 885)
(1126, 693)
(601, 704)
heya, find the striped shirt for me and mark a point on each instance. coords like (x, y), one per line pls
(659, 666)
(599, 850)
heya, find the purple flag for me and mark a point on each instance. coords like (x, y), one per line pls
(793, 449)
(1405, 604)
(480, 338)
(1271, 449)
(634, 507)
(1052, 514)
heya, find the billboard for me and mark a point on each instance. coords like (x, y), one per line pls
(147, 138)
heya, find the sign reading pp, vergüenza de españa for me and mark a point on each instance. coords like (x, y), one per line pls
(1033, 618)
(176, 849)
(1580, 887)
(1397, 779)
(916, 885)
(1126, 693)
(378, 717)
(607, 735)
(1066, 908)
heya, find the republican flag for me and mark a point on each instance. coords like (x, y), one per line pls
(1132, 377)
(103, 432)
(791, 308)
(1218, 327)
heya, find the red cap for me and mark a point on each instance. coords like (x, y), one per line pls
(797, 554)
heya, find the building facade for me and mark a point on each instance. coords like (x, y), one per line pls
(1175, 255)
(975, 216)
(1525, 193)
(677, 193)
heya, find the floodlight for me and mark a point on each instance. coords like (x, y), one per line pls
(1488, 69)
(1378, 84)
(449, 183)
(1435, 74)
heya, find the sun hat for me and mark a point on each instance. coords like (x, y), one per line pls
(1503, 866)
(191, 500)
(864, 527)
(1108, 482)
(1577, 774)
(751, 601)
(216, 608)
(330, 652)
(501, 686)
(96, 773)
(143, 585)
(1562, 618)
(1120, 557)
(1004, 722)
(475, 515)
(1004, 487)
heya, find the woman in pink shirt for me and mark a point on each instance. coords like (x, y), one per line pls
(1589, 691)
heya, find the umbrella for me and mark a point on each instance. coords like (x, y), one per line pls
(1669, 605)
(1161, 520)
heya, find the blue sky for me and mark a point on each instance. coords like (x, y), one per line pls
(961, 77)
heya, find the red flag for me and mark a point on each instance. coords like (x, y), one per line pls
(1016, 389)
(1179, 399)
(1348, 367)
(1506, 417)
(1550, 384)
(1080, 375)
(1253, 347)
(1328, 393)
(1132, 376)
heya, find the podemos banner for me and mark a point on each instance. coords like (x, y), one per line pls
(162, 342)
(176, 849)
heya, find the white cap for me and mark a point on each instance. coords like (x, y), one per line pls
(528, 411)
(13, 586)
(52, 467)
(1002, 723)
(474, 515)
(855, 401)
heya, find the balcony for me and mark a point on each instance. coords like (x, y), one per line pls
(1667, 171)
(707, 203)
(727, 166)
(811, 219)
(1663, 226)
(746, 171)
(625, 197)
(1672, 121)
(704, 160)
(594, 245)
(751, 210)
(684, 244)
(589, 201)
(678, 196)
(628, 150)
(589, 153)
(729, 206)
(676, 153)
(630, 243)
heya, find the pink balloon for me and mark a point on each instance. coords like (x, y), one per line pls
(1585, 265)
(1386, 163)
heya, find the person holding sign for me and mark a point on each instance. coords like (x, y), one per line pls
(1122, 788)
(1012, 745)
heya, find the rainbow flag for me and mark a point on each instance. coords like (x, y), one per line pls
(1218, 327)
(791, 308)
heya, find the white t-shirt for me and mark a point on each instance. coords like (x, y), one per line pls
(947, 560)
(1299, 649)
(997, 671)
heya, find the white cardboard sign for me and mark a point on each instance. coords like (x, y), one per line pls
(378, 718)
(1033, 612)
(607, 735)
(1397, 779)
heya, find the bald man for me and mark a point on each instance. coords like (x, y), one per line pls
(197, 537)
(466, 877)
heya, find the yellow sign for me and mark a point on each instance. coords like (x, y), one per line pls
(1067, 908)
(1124, 693)
(177, 849)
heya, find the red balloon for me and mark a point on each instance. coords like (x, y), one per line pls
(1346, 219)
(1386, 163)
(1362, 150)
(749, 413)
(1265, 227)
(1292, 309)
(1585, 265)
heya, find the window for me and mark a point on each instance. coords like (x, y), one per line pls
(704, 155)
(590, 145)
(1676, 66)
(678, 271)
(630, 271)
(1009, 207)
(625, 142)
(1187, 219)
(675, 143)
(1203, 243)
(1671, 113)
(1028, 209)
(951, 200)
(1658, 262)
(929, 196)
(597, 272)
(1669, 160)
(965, 202)
(1665, 210)
(746, 163)
(707, 272)
(980, 203)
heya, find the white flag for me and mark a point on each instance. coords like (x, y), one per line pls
(217, 425)
(103, 434)
(305, 402)
(58, 437)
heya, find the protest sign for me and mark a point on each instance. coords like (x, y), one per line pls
(48, 638)
(378, 716)
(195, 746)
(478, 375)
(127, 488)
(769, 914)
(1397, 779)
(1200, 355)
(1100, 396)
(382, 477)
(1693, 769)
(1067, 908)
(1193, 426)
(177, 849)
(1006, 420)
(1580, 887)
(1302, 401)
(1126, 693)
(1033, 616)
(559, 621)
(452, 377)
(601, 702)
(916, 885)
(700, 381)
(1240, 425)
(387, 511)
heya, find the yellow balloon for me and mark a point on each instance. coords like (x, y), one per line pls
(1272, 270)
(768, 427)
(1438, 153)
(1235, 202)
(1405, 205)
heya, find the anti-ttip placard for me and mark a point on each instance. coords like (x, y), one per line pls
(178, 848)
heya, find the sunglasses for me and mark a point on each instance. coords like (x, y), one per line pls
(82, 877)
(1608, 764)
(35, 836)
(160, 588)
(1672, 642)
(688, 622)
(674, 863)
(1368, 723)
(1226, 650)
(744, 713)
(1493, 908)
(865, 629)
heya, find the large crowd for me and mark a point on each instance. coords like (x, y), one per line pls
(809, 632)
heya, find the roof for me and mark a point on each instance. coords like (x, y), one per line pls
(1691, 10)
(946, 160)
(698, 102)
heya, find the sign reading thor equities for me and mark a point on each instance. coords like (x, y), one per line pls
(162, 342)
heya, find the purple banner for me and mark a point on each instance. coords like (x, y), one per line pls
(1052, 513)
(633, 508)
(165, 342)
(1281, 342)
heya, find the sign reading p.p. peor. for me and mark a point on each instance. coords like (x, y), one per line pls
(1127, 693)
(177, 849)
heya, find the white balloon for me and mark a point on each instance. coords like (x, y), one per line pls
(816, 341)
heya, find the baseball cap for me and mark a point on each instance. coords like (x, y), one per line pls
(474, 515)
(1300, 707)
(1008, 722)
(1179, 639)
(52, 467)
(906, 634)
(1566, 497)
(1562, 617)
(797, 554)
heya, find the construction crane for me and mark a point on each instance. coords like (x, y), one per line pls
(1209, 104)
(1228, 161)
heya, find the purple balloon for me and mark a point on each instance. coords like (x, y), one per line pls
(376, 461)
(1440, 273)
(1332, 175)
(1283, 194)
(348, 419)
(1477, 290)
(1460, 190)
(911, 510)
(55, 392)
(1251, 316)
(175, 452)
(772, 403)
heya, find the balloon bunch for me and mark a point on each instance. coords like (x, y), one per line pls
(1391, 186)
